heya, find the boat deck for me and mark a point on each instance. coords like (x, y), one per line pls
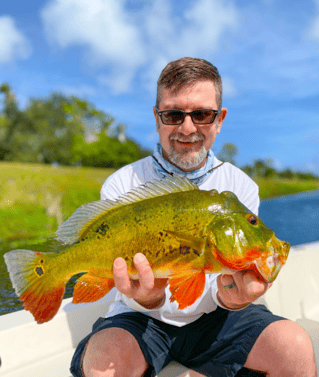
(31, 350)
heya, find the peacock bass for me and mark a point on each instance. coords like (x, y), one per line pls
(184, 232)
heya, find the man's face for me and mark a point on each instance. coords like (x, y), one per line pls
(186, 145)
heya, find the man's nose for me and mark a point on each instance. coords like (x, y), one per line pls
(187, 127)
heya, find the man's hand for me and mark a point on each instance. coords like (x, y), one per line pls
(247, 289)
(147, 291)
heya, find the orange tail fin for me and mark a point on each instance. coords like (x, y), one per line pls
(40, 292)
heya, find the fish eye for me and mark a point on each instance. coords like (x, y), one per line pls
(252, 219)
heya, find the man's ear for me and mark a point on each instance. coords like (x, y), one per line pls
(221, 117)
(156, 119)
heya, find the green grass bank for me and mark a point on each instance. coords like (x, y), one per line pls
(35, 198)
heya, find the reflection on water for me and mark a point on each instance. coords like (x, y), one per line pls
(294, 218)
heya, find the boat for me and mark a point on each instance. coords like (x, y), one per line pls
(31, 350)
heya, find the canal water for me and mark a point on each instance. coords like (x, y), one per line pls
(294, 218)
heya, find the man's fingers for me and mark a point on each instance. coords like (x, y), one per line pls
(227, 281)
(121, 278)
(144, 270)
(254, 286)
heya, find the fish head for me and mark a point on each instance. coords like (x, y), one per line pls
(241, 241)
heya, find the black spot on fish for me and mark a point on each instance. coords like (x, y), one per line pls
(39, 271)
(41, 261)
(184, 250)
(161, 234)
(196, 252)
(102, 229)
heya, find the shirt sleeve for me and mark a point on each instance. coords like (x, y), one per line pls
(250, 197)
(112, 188)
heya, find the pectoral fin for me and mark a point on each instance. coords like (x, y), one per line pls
(188, 240)
(186, 287)
(90, 288)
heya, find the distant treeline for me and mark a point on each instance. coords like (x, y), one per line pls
(65, 130)
(262, 168)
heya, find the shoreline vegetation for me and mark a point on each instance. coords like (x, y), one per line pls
(36, 198)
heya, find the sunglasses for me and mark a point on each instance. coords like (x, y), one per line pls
(176, 117)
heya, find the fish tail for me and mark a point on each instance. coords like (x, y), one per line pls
(31, 275)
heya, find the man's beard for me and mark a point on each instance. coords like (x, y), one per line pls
(184, 159)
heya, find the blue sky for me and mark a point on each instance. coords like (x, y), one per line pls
(110, 52)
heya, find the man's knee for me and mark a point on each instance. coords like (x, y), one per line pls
(283, 347)
(113, 352)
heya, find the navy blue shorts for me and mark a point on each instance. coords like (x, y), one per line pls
(217, 344)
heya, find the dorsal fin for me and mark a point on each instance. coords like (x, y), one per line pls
(71, 230)
(156, 188)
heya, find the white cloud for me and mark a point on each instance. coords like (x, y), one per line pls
(206, 21)
(105, 28)
(81, 91)
(195, 31)
(229, 89)
(13, 44)
(313, 31)
(124, 42)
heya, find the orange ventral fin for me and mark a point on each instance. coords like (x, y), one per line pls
(89, 288)
(186, 287)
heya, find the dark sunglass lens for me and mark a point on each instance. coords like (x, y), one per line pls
(203, 116)
(173, 117)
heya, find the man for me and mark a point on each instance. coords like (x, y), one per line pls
(222, 332)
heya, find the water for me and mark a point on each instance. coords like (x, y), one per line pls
(294, 218)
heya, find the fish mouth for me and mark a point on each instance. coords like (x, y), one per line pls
(277, 254)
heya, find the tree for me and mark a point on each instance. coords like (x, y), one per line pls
(263, 168)
(61, 121)
(62, 129)
(14, 126)
(106, 152)
(287, 173)
(228, 153)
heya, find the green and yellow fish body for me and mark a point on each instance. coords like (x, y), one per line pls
(184, 233)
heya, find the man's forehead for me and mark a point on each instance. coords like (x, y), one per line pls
(199, 92)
